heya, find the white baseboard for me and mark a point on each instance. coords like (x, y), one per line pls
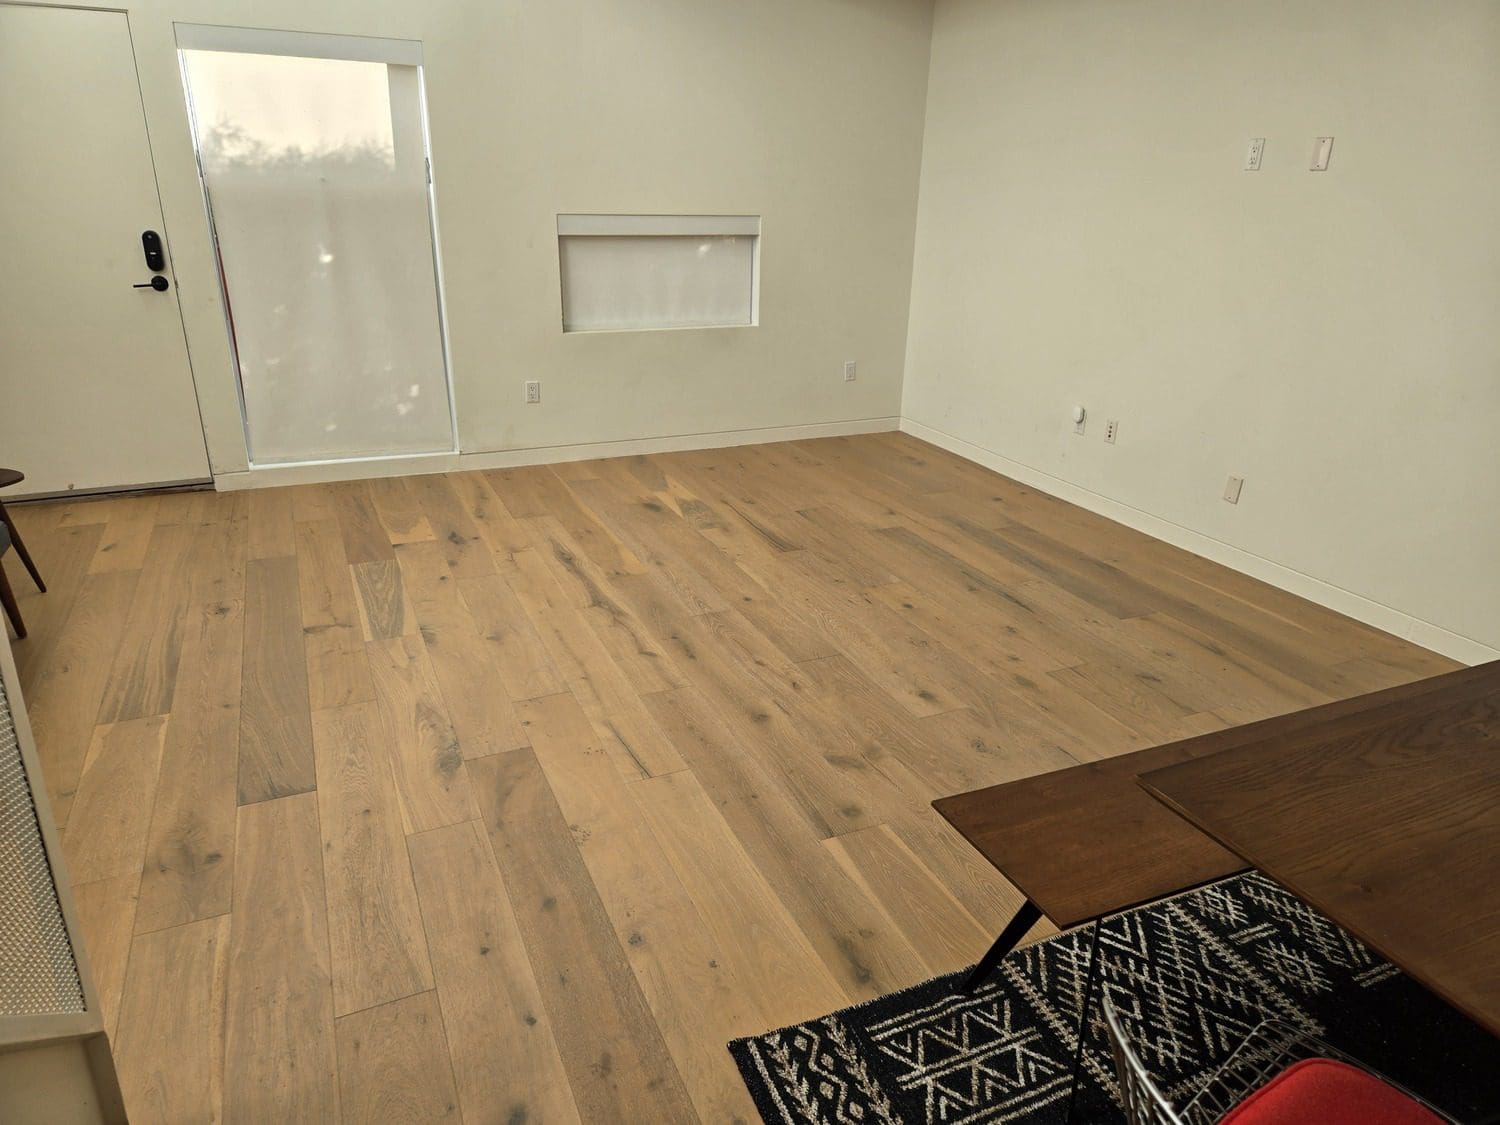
(1453, 645)
(273, 475)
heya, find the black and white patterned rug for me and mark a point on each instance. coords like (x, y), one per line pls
(1190, 977)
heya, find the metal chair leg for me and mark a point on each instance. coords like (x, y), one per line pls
(1014, 931)
(1083, 1020)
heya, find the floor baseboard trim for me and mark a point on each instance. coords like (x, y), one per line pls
(189, 484)
(272, 476)
(1381, 616)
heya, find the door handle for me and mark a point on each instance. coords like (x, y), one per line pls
(159, 283)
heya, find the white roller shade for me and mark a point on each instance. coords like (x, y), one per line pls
(622, 272)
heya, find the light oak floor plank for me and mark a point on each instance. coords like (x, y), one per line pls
(427, 765)
(526, 671)
(189, 870)
(457, 535)
(375, 927)
(215, 565)
(275, 753)
(332, 632)
(399, 511)
(169, 1050)
(497, 527)
(491, 1005)
(694, 988)
(617, 1062)
(939, 928)
(383, 609)
(279, 1053)
(270, 533)
(111, 815)
(857, 944)
(393, 1064)
(776, 966)
(478, 703)
(106, 914)
(62, 557)
(62, 693)
(365, 537)
(145, 668)
(127, 536)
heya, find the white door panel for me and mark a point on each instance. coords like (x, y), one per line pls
(95, 387)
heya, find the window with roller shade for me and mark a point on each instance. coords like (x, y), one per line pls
(641, 272)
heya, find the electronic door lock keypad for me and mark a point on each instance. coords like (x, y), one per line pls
(156, 260)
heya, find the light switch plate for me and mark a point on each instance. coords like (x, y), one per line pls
(1232, 489)
(1322, 150)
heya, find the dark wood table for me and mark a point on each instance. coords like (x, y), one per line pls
(1384, 815)
(1085, 842)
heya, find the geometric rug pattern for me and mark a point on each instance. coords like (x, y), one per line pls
(1190, 977)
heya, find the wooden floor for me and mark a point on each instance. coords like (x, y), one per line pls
(512, 796)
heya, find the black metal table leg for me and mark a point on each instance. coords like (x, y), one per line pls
(1083, 1020)
(1014, 931)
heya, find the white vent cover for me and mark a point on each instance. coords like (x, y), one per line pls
(37, 972)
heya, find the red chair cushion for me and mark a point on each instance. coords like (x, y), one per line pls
(1327, 1092)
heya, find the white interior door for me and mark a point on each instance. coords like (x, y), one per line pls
(95, 387)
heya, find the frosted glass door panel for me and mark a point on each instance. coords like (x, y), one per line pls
(316, 173)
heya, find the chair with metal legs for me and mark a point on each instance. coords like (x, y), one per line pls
(1279, 1073)
(7, 595)
(10, 535)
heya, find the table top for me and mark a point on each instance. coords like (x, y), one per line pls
(1087, 841)
(1386, 818)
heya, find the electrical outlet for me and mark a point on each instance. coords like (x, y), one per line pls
(1254, 153)
(1111, 431)
(533, 390)
(851, 369)
(1232, 489)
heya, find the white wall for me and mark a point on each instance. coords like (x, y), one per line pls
(1085, 235)
(807, 112)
